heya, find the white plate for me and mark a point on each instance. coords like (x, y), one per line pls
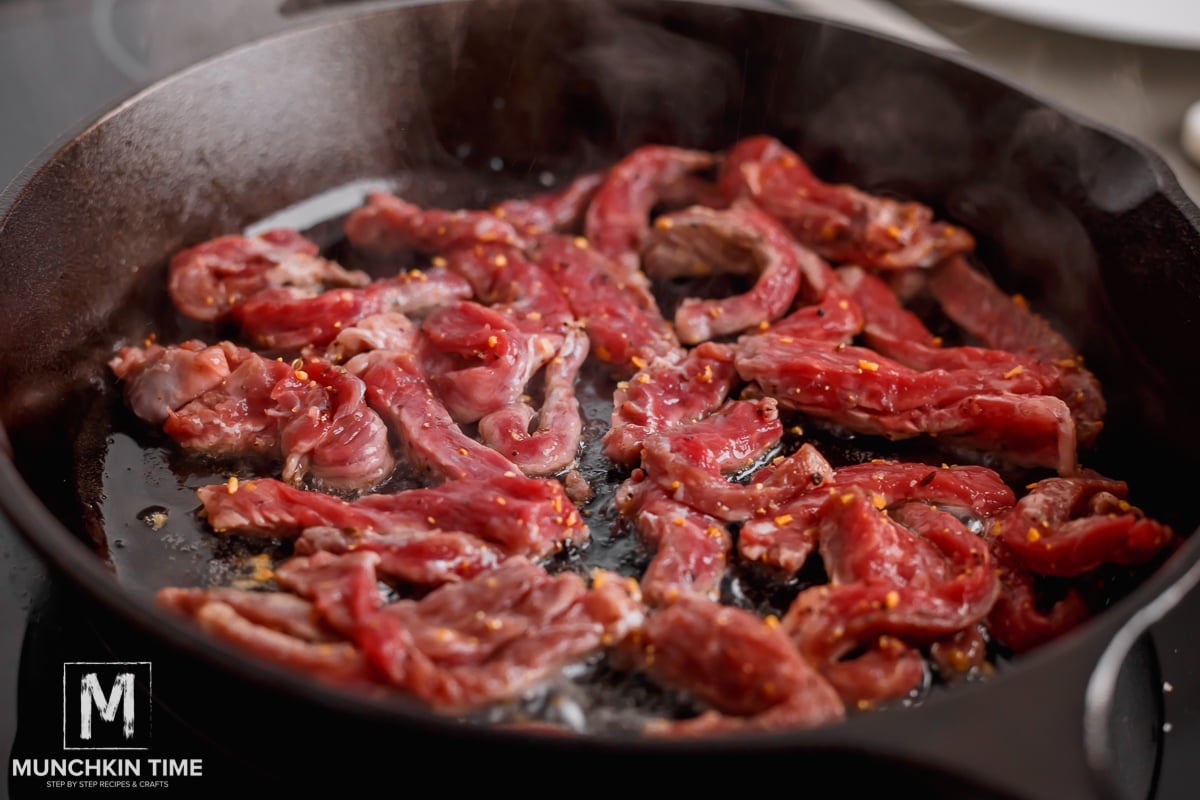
(1169, 23)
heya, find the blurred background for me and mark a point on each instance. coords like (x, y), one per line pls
(1132, 66)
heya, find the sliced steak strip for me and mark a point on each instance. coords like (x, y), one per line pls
(692, 461)
(900, 335)
(494, 359)
(664, 394)
(416, 556)
(979, 307)
(553, 445)
(840, 222)
(785, 540)
(238, 416)
(207, 280)
(505, 279)
(619, 216)
(1000, 414)
(742, 240)
(386, 224)
(691, 548)
(279, 627)
(227, 401)
(621, 316)
(831, 621)
(279, 611)
(475, 642)
(523, 516)
(159, 380)
(432, 441)
(560, 211)
(327, 429)
(287, 320)
(1020, 620)
(337, 661)
(390, 330)
(742, 666)
(1069, 526)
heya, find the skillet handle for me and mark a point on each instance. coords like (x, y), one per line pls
(1101, 728)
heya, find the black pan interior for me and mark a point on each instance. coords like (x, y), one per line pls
(462, 102)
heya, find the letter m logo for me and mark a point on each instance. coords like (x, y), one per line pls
(106, 706)
(92, 695)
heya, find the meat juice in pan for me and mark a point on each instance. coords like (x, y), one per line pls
(155, 538)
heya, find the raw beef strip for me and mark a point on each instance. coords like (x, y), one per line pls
(286, 320)
(999, 414)
(785, 540)
(386, 224)
(979, 307)
(840, 222)
(494, 359)
(619, 216)
(159, 380)
(664, 394)
(622, 318)
(433, 443)
(524, 516)
(1069, 526)
(553, 445)
(742, 240)
(505, 279)
(475, 642)
(207, 280)
(560, 211)
(741, 665)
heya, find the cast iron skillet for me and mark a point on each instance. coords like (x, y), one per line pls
(1090, 226)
